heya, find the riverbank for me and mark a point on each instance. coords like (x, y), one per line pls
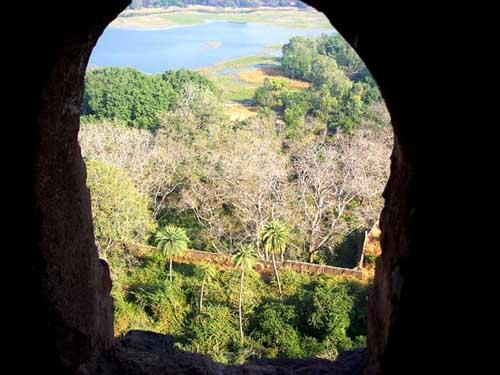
(165, 18)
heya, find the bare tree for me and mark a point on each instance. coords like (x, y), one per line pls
(252, 176)
(330, 175)
(152, 161)
(237, 187)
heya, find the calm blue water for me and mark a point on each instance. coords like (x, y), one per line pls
(191, 47)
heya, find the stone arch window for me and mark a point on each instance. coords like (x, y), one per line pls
(72, 308)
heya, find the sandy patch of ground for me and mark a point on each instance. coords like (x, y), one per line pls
(260, 74)
(238, 111)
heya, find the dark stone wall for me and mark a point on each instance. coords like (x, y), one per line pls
(70, 310)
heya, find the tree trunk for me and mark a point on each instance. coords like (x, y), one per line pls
(276, 273)
(362, 255)
(170, 270)
(240, 304)
(257, 246)
(201, 294)
(311, 249)
(311, 256)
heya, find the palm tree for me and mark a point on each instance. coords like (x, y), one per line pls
(244, 260)
(206, 272)
(172, 241)
(274, 235)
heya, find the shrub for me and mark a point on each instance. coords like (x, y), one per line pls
(164, 302)
(325, 312)
(291, 281)
(214, 332)
(274, 327)
(130, 316)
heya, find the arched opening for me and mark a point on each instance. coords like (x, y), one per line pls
(71, 307)
(311, 156)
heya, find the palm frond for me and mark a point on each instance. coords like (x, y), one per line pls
(172, 241)
(245, 258)
(274, 236)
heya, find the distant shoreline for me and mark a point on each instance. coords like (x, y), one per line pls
(157, 28)
(205, 8)
(174, 17)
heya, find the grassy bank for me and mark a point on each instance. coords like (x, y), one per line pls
(175, 17)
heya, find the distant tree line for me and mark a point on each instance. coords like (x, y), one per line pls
(217, 3)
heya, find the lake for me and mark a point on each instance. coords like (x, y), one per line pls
(190, 47)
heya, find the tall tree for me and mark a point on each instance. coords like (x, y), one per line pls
(206, 273)
(243, 260)
(331, 176)
(172, 242)
(120, 212)
(275, 237)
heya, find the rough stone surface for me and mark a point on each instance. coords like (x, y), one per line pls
(72, 312)
(148, 353)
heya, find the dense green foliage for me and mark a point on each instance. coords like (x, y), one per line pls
(177, 79)
(218, 3)
(135, 98)
(307, 58)
(341, 93)
(317, 316)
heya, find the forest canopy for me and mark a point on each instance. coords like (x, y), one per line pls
(135, 98)
(342, 93)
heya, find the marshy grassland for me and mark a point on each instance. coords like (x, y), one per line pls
(238, 80)
(159, 18)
